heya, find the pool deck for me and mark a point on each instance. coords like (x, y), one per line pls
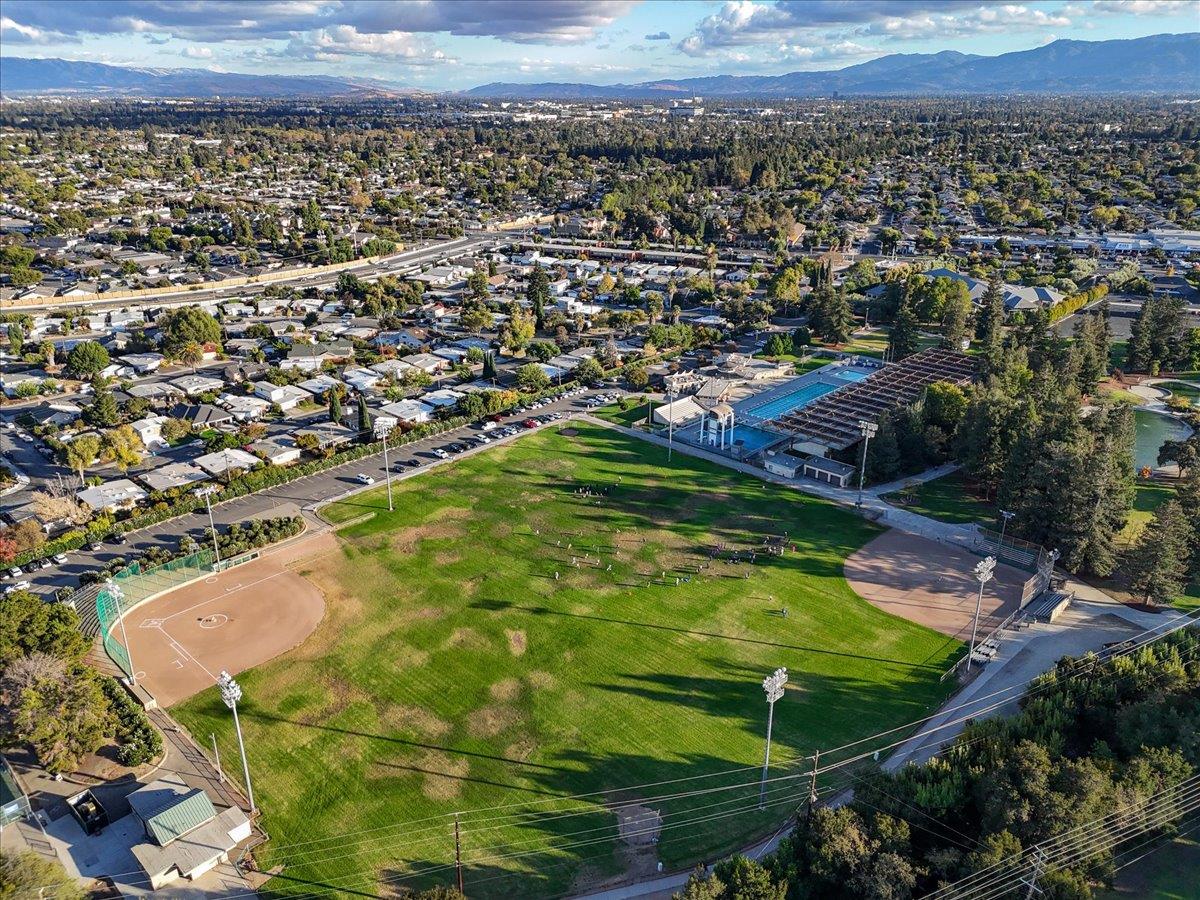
(744, 410)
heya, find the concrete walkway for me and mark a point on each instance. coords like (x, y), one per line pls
(873, 507)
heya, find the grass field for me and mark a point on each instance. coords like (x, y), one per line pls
(1171, 872)
(1183, 389)
(947, 499)
(635, 415)
(455, 672)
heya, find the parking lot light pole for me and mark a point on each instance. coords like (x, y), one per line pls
(984, 571)
(773, 684)
(207, 494)
(382, 434)
(118, 595)
(867, 430)
(231, 693)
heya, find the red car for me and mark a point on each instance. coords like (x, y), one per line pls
(530, 423)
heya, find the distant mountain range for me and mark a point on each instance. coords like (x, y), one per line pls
(20, 75)
(1163, 63)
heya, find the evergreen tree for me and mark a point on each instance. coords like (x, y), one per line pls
(335, 407)
(364, 418)
(1158, 565)
(989, 327)
(538, 295)
(102, 412)
(905, 339)
(883, 453)
(489, 365)
(956, 322)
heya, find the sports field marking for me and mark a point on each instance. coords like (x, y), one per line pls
(179, 648)
(228, 591)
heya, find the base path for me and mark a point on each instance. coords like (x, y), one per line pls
(238, 619)
(932, 583)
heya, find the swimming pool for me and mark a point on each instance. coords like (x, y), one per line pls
(849, 374)
(786, 403)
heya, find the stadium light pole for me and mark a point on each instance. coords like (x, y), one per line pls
(231, 693)
(773, 685)
(867, 430)
(207, 493)
(1005, 517)
(118, 595)
(670, 423)
(382, 434)
(984, 571)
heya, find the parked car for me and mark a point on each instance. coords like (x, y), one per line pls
(60, 558)
(441, 453)
(530, 423)
(14, 572)
(17, 586)
(490, 424)
(363, 478)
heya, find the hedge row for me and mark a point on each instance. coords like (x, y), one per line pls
(138, 740)
(1076, 302)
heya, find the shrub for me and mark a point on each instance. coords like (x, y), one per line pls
(139, 741)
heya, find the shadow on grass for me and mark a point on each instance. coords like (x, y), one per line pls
(508, 606)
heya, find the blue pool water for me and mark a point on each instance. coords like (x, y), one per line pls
(851, 374)
(786, 403)
(752, 439)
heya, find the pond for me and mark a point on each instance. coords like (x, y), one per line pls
(1153, 430)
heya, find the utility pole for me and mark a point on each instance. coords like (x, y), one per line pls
(118, 595)
(812, 789)
(1039, 863)
(867, 430)
(773, 685)
(382, 433)
(458, 856)
(231, 693)
(983, 571)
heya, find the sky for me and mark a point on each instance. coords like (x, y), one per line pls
(457, 44)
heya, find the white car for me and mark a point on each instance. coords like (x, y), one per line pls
(60, 558)
(441, 454)
(15, 572)
(365, 479)
(17, 586)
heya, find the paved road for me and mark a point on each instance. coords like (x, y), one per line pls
(285, 499)
(368, 271)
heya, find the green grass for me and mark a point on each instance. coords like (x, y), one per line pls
(1169, 873)
(947, 499)
(1183, 389)
(1150, 496)
(635, 415)
(1116, 354)
(453, 672)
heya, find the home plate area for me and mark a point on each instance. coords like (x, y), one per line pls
(232, 621)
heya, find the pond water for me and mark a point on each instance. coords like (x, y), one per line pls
(1153, 430)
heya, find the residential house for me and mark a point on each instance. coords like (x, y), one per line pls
(110, 496)
(223, 461)
(174, 475)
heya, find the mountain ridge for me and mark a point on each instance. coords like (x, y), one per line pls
(1156, 64)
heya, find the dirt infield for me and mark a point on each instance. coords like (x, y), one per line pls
(931, 583)
(243, 617)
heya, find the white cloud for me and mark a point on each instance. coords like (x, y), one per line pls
(1145, 7)
(345, 40)
(198, 52)
(1006, 18)
(27, 34)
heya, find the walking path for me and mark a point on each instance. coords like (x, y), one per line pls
(873, 506)
(1090, 623)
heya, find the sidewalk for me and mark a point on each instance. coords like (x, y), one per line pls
(873, 507)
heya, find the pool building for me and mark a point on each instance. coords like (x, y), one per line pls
(801, 425)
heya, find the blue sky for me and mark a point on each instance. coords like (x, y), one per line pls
(452, 44)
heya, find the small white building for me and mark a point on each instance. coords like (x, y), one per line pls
(412, 412)
(112, 495)
(682, 410)
(226, 460)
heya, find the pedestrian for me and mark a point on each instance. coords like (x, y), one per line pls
(556, 576)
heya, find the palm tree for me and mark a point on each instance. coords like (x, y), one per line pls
(191, 354)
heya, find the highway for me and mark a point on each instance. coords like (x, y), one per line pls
(298, 278)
